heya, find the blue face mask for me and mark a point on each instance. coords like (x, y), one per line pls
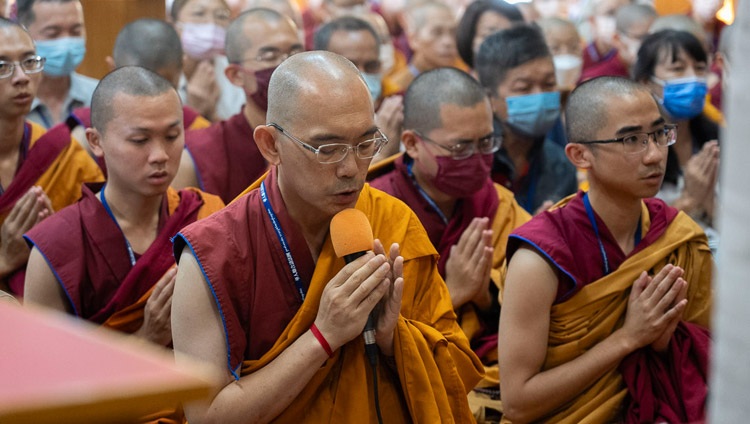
(683, 97)
(374, 83)
(533, 115)
(63, 55)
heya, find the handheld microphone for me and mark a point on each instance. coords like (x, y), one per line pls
(351, 235)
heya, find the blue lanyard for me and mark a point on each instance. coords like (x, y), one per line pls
(282, 241)
(592, 219)
(111, 215)
(425, 195)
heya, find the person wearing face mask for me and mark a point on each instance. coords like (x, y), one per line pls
(223, 159)
(565, 44)
(392, 61)
(58, 30)
(601, 58)
(517, 69)
(444, 177)
(632, 22)
(357, 41)
(674, 66)
(202, 25)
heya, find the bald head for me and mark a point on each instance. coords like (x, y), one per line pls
(632, 14)
(237, 42)
(287, 8)
(431, 90)
(130, 80)
(320, 74)
(417, 14)
(149, 43)
(588, 106)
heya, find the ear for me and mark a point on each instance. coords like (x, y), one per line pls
(410, 142)
(110, 63)
(579, 155)
(265, 139)
(234, 75)
(94, 139)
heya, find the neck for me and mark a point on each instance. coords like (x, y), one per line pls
(314, 227)
(254, 115)
(621, 216)
(683, 150)
(54, 87)
(445, 203)
(11, 135)
(517, 147)
(601, 47)
(132, 209)
(419, 62)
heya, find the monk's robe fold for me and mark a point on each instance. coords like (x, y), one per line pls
(191, 120)
(226, 158)
(597, 306)
(263, 314)
(57, 164)
(88, 255)
(491, 201)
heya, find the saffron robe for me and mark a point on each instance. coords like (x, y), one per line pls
(491, 201)
(226, 158)
(262, 311)
(59, 165)
(593, 305)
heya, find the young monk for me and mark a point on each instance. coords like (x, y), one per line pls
(444, 177)
(40, 171)
(107, 258)
(261, 293)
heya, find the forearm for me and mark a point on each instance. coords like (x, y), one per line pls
(264, 394)
(543, 392)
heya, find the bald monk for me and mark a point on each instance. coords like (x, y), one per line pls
(444, 177)
(223, 159)
(291, 346)
(107, 258)
(152, 44)
(40, 171)
(607, 295)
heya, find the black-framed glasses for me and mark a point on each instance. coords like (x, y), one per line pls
(465, 149)
(336, 152)
(638, 142)
(30, 65)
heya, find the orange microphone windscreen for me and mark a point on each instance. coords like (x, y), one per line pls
(351, 232)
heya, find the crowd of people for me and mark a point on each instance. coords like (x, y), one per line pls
(540, 178)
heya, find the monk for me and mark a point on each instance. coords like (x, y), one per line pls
(40, 171)
(261, 294)
(152, 44)
(444, 177)
(107, 258)
(607, 295)
(223, 159)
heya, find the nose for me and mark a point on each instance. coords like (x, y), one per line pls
(18, 75)
(158, 153)
(348, 167)
(654, 153)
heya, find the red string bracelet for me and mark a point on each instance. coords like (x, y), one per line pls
(322, 340)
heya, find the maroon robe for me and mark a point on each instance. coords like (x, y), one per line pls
(596, 64)
(88, 255)
(226, 158)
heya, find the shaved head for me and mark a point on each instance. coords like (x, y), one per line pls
(588, 105)
(237, 43)
(318, 74)
(130, 80)
(7, 23)
(150, 43)
(431, 90)
(416, 15)
(287, 8)
(631, 14)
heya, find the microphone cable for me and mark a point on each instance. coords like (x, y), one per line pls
(371, 350)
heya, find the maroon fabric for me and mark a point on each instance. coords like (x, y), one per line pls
(39, 158)
(88, 253)
(599, 65)
(443, 236)
(566, 237)
(245, 265)
(227, 160)
(670, 387)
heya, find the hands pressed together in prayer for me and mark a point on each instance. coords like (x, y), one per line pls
(203, 90)
(390, 118)
(356, 290)
(467, 271)
(29, 210)
(655, 308)
(701, 173)
(157, 324)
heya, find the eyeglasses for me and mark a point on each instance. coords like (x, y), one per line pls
(465, 149)
(276, 56)
(332, 153)
(30, 65)
(638, 142)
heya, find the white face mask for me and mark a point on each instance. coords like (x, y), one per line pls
(387, 57)
(567, 70)
(605, 28)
